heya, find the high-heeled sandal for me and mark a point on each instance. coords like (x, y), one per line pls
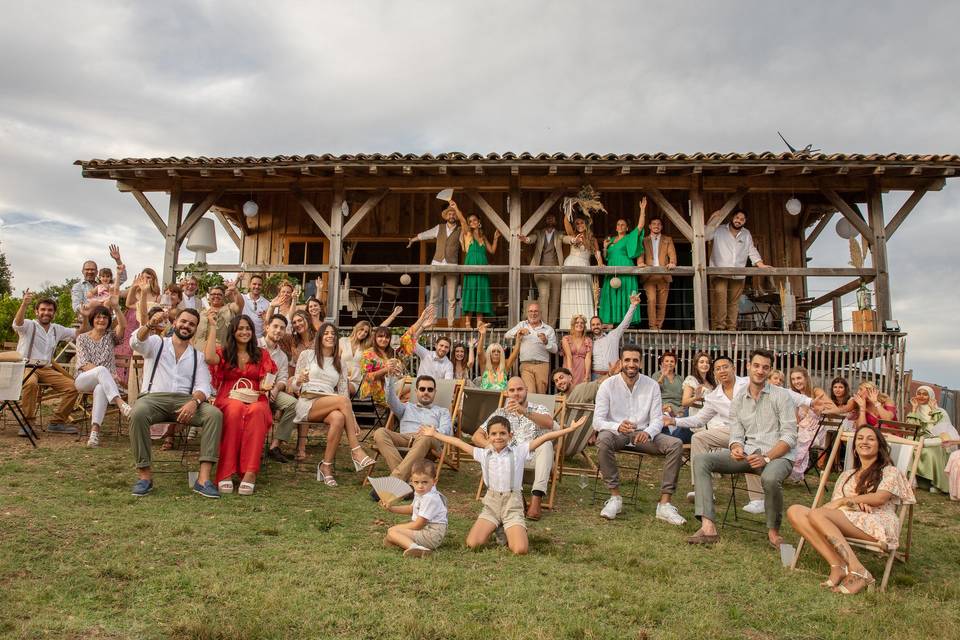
(364, 463)
(852, 576)
(246, 488)
(328, 480)
(830, 584)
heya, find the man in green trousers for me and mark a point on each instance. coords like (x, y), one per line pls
(176, 385)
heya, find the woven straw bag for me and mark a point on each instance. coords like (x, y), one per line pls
(243, 391)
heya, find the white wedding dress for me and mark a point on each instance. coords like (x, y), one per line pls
(576, 290)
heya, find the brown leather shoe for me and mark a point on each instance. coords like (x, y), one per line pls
(702, 538)
(533, 511)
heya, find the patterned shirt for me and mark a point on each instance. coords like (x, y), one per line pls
(523, 428)
(99, 353)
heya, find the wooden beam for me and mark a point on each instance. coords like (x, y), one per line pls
(817, 230)
(494, 217)
(150, 211)
(904, 211)
(171, 244)
(882, 285)
(674, 216)
(407, 170)
(514, 296)
(701, 318)
(806, 170)
(837, 314)
(808, 272)
(228, 228)
(541, 211)
(364, 209)
(770, 170)
(718, 216)
(842, 171)
(842, 290)
(196, 212)
(313, 213)
(847, 211)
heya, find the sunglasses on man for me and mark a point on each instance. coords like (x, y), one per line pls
(425, 389)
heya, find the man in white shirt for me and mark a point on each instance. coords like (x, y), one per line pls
(732, 245)
(190, 299)
(280, 400)
(37, 342)
(538, 342)
(447, 252)
(715, 416)
(606, 346)
(78, 293)
(435, 364)
(547, 252)
(255, 306)
(175, 387)
(629, 413)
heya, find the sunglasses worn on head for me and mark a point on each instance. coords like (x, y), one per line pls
(425, 389)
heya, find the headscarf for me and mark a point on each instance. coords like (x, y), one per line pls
(933, 418)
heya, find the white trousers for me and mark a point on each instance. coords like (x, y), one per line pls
(100, 382)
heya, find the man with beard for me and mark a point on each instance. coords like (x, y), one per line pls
(37, 342)
(548, 252)
(732, 245)
(606, 346)
(435, 364)
(658, 251)
(629, 412)
(280, 400)
(527, 421)
(447, 252)
(78, 293)
(255, 306)
(176, 385)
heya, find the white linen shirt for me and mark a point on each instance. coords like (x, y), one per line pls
(531, 348)
(606, 348)
(641, 406)
(172, 376)
(44, 342)
(429, 506)
(279, 358)
(733, 251)
(496, 466)
(431, 365)
(716, 408)
(252, 309)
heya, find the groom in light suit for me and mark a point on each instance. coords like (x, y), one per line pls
(547, 252)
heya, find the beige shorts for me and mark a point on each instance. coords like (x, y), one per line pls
(504, 508)
(431, 536)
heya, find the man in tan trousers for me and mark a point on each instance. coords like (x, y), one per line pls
(732, 245)
(446, 252)
(658, 251)
(547, 252)
(538, 342)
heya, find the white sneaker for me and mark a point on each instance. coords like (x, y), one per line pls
(94, 439)
(668, 513)
(612, 507)
(754, 506)
(416, 551)
(125, 409)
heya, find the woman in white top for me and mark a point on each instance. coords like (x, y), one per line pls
(353, 346)
(322, 385)
(699, 383)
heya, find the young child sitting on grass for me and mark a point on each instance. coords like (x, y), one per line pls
(502, 468)
(428, 515)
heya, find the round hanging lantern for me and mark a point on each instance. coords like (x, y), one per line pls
(405, 279)
(615, 282)
(845, 230)
(794, 206)
(250, 208)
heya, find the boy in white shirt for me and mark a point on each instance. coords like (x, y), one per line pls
(428, 514)
(502, 467)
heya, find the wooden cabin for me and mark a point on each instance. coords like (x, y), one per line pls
(349, 218)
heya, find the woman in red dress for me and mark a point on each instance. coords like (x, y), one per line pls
(245, 425)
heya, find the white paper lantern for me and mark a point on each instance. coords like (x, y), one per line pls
(202, 239)
(250, 208)
(845, 230)
(405, 279)
(615, 282)
(794, 206)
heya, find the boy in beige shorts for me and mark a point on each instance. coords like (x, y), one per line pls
(502, 468)
(428, 515)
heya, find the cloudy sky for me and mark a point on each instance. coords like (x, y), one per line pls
(115, 79)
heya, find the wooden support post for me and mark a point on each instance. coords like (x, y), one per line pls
(882, 283)
(228, 228)
(197, 212)
(515, 299)
(700, 307)
(847, 212)
(171, 248)
(904, 211)
(837, 315)
(315, 215)
(721, 214)
(336, 254)
(150, 211)
(489, 211)
(675, 217)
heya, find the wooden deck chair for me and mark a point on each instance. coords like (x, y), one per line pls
(575, 444)
(556, 406)
(475, 406)
(905, 453)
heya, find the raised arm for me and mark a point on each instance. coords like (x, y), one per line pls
(393, 316)
(22, 311)
(492, 248)
(121, 323)
(233, 297)
(431, 432)
(210, 346)
(568, 227)
(559, 433)
(481, 354)
(425, 320)
(471, 347)
(145, 328)
(514, 354)
(643, 213)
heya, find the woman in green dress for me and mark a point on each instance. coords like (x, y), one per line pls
(475, 290)
(622, 251)
(934, 424)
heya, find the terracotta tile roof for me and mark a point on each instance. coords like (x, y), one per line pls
(539, 158)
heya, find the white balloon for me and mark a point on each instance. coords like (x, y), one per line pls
(615, 282)
(250, 208)
(794, 206)
(405, 279)
(845, 230)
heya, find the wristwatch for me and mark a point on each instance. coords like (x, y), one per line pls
(199, 403)
(766, 460)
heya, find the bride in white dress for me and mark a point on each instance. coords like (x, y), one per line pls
(576, 290)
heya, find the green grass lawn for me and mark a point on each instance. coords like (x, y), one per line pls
(81, 558)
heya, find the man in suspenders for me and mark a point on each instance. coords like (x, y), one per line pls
(175, 388)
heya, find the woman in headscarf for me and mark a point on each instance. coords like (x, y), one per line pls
(934, 423)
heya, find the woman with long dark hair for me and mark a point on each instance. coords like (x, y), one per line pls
(245, 424)
(96, 365)
(698, 383)
(322, 384)
(373, 364)
(302, 336)
(863, 507)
